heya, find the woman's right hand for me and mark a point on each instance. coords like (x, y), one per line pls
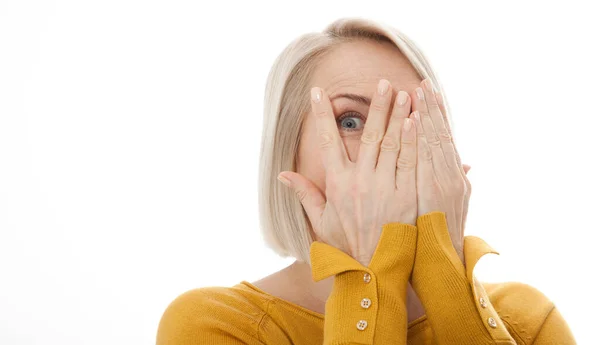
(379, 188)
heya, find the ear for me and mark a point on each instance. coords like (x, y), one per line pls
(466, 168)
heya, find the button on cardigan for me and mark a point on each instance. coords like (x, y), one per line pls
(367, 304)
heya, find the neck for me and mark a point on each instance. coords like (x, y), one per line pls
(313, 294)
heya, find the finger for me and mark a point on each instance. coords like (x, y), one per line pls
(438, 97)
(333, 151)
(442, 133)
(424, 171)
(407, 160)
(429, 130)
(390, 145)
(440, 101)
(453, 161)
(466, 168)
(445, 145)
(310, 196)
(374, 129)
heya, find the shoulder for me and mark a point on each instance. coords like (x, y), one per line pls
(212, 311)
(522, 308)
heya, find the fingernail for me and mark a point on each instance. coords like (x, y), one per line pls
(383, 86)
(407, 124)
(316, 94)
(429, 85)
(420, 94)
(417, 116)
(284, 180)
(401, 98)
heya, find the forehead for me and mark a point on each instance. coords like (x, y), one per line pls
(357, 67)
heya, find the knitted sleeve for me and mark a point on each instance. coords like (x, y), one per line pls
(367, 305)
(457, 305)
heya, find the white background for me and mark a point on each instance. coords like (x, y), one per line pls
(130, 133)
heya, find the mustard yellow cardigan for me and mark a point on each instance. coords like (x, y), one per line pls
(367, 305)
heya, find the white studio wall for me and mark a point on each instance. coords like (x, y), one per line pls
(130, 136)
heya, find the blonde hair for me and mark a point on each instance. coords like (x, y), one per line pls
(283, 221)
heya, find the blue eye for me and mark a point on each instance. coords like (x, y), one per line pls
(351, 121)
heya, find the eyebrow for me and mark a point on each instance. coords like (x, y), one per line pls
(354, 97)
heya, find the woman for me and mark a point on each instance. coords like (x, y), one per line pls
(372, 203)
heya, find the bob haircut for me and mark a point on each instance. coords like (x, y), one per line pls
(284, 224)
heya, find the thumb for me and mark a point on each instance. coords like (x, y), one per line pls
(311, 197)
(466, 168)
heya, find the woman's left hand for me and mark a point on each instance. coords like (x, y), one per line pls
(442, 184)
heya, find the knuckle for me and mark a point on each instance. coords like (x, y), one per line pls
(390, 144)
(379, 106)
(425, 155)
(434, 142)
(404, 163)
(301, 194)
(445, 137)
(369, 136)
(326, 140)
(322, 112)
